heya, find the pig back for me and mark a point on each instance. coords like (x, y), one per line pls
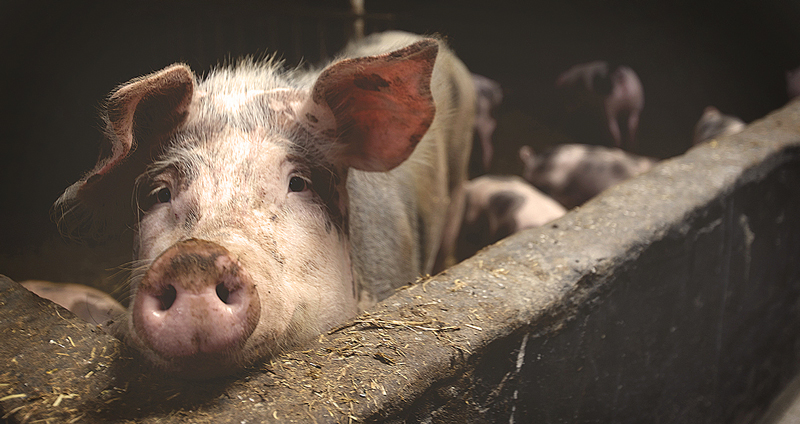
(397, 218)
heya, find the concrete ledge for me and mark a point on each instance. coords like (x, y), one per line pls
(673, 297)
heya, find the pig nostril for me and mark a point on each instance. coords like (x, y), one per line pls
(167, 297)
(223, 293)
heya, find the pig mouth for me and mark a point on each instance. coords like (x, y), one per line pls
(201, 366)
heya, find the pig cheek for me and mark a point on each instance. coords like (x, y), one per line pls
(320, 271)
(284, 298)
(277, 308)
(325, 279)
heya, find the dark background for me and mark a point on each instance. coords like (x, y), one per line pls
(61, 59)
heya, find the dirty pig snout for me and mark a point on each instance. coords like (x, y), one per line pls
(195, 300)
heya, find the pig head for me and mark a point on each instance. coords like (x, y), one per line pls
(621, 92)
(713, 124)
(258, 196)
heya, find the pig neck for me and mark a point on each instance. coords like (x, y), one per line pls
(383, 233)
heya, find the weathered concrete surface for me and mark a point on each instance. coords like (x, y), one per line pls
(49, 358)
(674, 297)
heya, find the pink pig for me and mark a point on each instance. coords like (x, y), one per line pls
(622, 94)
(271, 205)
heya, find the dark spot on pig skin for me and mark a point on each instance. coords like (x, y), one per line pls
(504, 205)
(373, 82)
(277, 256)
(501, 202)
(309, 267)
(196, 264)
(618, 170)
(188, 262)
(312, 118)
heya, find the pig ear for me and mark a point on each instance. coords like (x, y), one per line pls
(374, 110)
(139, 117)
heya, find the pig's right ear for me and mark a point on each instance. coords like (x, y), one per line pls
(140, 116)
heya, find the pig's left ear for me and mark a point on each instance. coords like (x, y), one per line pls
(375, 109)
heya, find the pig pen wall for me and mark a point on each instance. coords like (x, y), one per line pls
(673, 297)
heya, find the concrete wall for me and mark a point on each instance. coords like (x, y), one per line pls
(673, 297)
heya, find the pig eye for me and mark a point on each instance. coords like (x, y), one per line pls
(163, 195)
(297, 184)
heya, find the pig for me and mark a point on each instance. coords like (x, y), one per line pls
(793, 83)
(574, 173)
(713, 124)
(489, 96)
(90, 304)
(498, 206)
(272, 205)
(621, 92)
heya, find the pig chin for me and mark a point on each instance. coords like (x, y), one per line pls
(266, 341)
(204, 366)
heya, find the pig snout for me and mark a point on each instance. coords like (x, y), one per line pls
(195, 301)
